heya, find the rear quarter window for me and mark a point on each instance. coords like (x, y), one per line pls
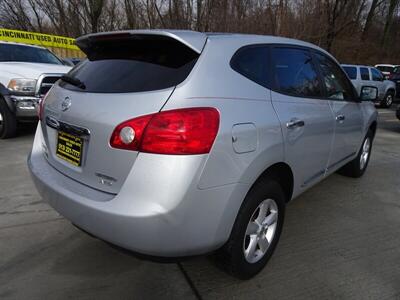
(251, 62)
(351, 72)
(129, 65)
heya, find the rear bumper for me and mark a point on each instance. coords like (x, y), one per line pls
(149, 215)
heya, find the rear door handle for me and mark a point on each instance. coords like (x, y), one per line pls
(340, 118)
(295, 123)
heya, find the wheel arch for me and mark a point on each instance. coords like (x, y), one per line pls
(4, 96)
(391, 90)
(281, 172)
(373, 127)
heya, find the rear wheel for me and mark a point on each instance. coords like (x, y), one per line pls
(356, 168)
(388, 101)
(256, 231)
(8, 122)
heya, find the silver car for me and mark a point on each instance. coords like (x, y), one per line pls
(365, 75)
(179, 143)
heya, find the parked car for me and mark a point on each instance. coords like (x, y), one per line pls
(179, 143)
(26, 74)
(386, 69)
(398, 112)
(395, 77)
(366, 75)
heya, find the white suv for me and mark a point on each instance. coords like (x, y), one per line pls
(370, 76)
(26, 74)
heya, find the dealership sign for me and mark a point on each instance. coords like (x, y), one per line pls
(45, 40)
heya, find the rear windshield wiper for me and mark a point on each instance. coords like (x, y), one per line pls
(74, 81)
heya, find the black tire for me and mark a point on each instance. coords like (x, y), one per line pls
(8, 121)
(231, 256)
(354, 168)
(388, 100)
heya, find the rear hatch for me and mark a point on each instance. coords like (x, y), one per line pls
(126, 75)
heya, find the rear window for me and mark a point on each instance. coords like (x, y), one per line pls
(139, 64)
(385, 68)
(351, 72)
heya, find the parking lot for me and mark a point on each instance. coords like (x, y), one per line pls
(341, 239)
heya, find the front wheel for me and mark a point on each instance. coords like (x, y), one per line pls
(356, 168)
(388, 101)
(256, 231)
(8, 121)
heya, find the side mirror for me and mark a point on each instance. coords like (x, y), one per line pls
(368, 93)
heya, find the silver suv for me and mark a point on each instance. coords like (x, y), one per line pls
(369, 76)
(178, 143)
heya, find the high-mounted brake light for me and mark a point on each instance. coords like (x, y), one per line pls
(180, 131)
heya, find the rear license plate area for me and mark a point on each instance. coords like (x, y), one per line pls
(70, 148)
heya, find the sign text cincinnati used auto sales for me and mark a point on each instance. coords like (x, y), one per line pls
(40, 39)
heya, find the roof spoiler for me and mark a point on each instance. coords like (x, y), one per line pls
(192, 39)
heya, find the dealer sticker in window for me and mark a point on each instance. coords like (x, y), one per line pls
(69, 148)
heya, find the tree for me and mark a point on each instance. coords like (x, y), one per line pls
(389, 20)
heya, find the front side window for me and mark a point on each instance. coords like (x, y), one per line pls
(251, 62)
(351, 72)
(294, 72)
(376, 75)
(21, 53)
(364, 74)
(337, 86)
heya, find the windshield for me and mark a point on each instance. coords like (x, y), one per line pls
(396, 70)
(27, 54)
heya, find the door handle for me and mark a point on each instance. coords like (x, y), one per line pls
(340, 118)
(295, 123)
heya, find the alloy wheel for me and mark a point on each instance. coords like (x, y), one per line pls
(1, 121)
(260, 231)
(365, 153)
(389, 100)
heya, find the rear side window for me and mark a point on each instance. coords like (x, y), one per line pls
(364, 74)
(337, 86)
(351, 72)
(251, 62)
(143, 63)
(376, 75)
(294, 72)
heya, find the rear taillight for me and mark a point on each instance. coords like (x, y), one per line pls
(180, 131)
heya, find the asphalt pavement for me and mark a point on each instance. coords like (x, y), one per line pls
(341, 240)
